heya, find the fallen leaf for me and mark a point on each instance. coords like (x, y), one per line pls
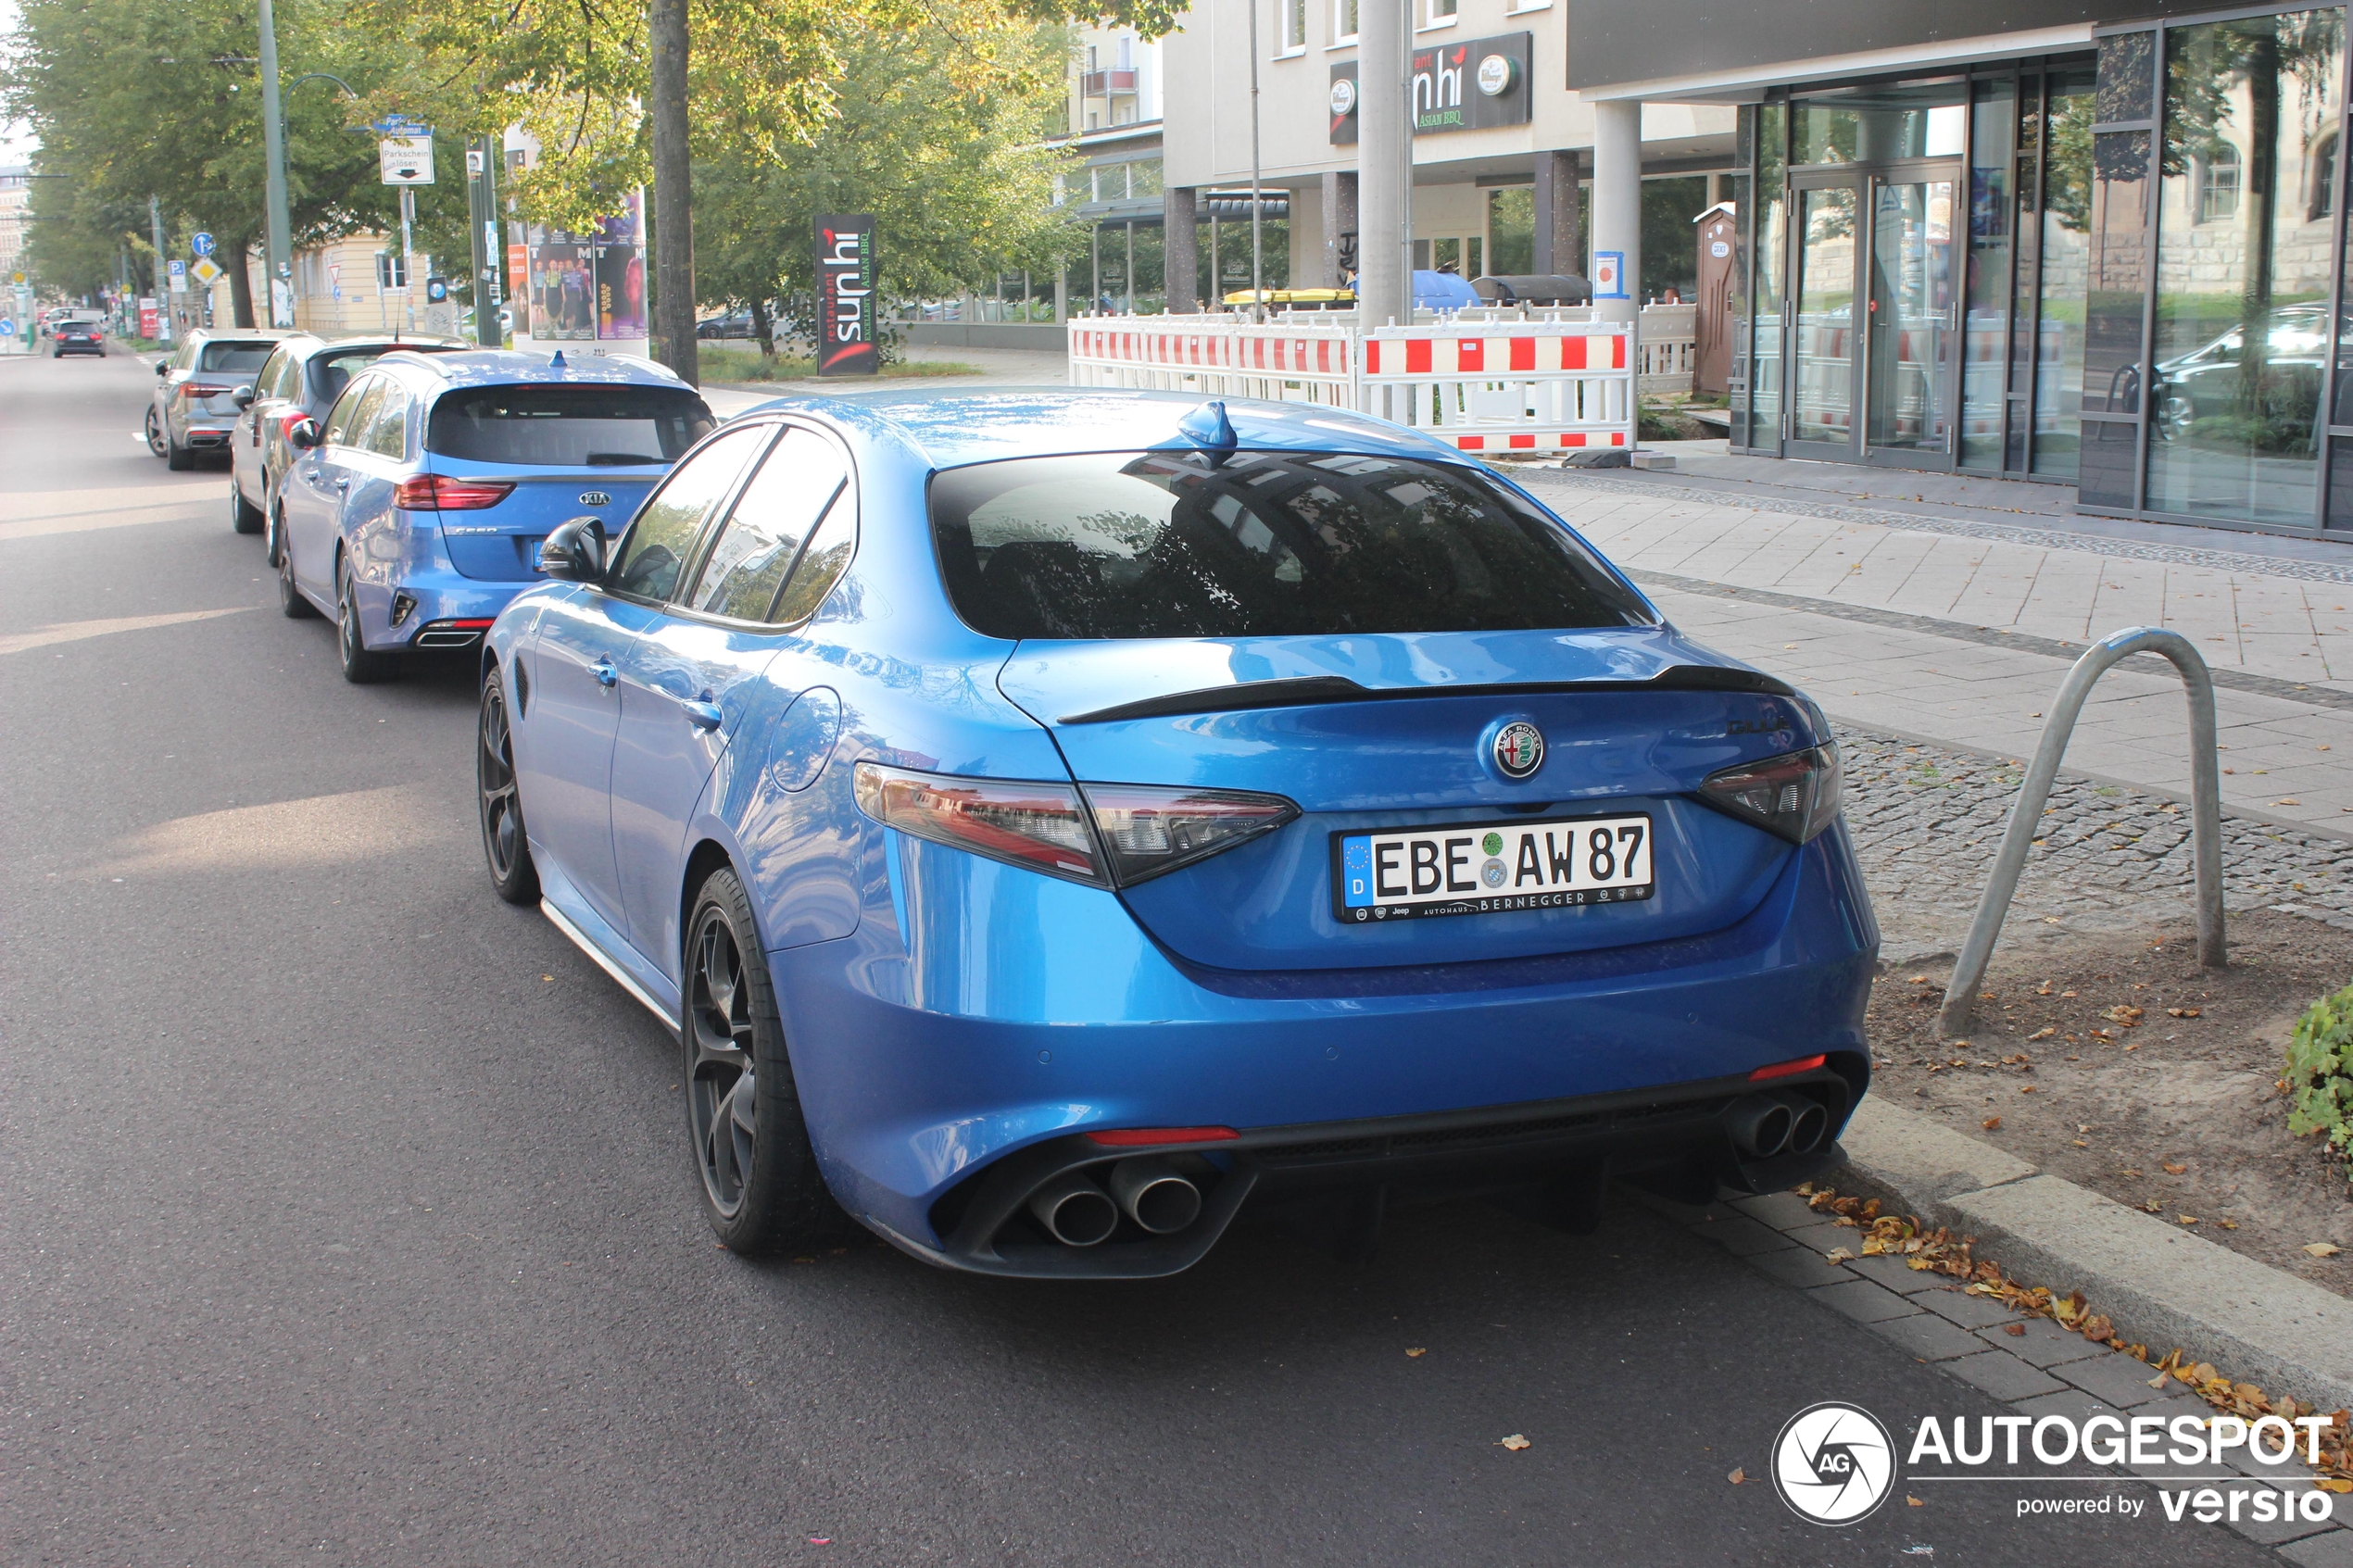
(2080, 1143)
(1838, 1255)
(2044, 1033)
(2181, 1012)
(2124, 1013)
(2026, 1088)
(2322, 1248)
(1992, 1123)
(2128, 1173)
(2228, 1224)
(2152, 1206)
(1737, 1476)
(1913, 1502)
(2334, 1484)
(1419, 1350)
(2289, 802)
(550, 977)
(2159, 1381)
(2187, 1219)
(2015, 1330)
(2044, 990)
(2173, 1170)
(1514, 1442)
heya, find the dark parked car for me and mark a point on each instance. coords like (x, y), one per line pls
(735, 324)
(301, 380)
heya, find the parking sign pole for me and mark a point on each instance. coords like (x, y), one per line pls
(278, 261)
(163, 295)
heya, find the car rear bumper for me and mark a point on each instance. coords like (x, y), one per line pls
(919, 1077)
(415, 613)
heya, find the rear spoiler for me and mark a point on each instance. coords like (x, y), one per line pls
(1309, 691)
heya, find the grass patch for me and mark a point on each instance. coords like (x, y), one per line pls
(727, 364)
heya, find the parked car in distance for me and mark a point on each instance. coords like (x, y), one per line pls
(51, 317)
(194, 408)
(77, 334)
(301, 379)
(1049, 821)
(415, 511)
(735, 324)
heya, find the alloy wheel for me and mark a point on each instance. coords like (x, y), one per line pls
(495, 775)
(156, 437)
(722, 1093)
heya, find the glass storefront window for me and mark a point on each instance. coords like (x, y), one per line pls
(1825, 371)
(2066, 243)
(1986, 343)
(1871, 125)
(1143, 177)
(2126, 77)
(2242, 328)
(1511, 227)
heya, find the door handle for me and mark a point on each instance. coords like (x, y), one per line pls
(604, 671)
(704, 716)
(342, 484)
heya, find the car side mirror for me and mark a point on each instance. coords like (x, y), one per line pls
(575, 551)
(163, 367)
(242, 397)
(303, 434)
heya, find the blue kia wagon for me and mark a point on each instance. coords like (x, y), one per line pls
(1051, 822)
(416, 511)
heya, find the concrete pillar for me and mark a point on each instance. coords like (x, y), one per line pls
(1339, 226)
(1384, 165)
(1618, 200)
(1180, 260)
(1557, 177)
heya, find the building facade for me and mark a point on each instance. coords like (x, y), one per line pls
(2083, 244)
(16, 218)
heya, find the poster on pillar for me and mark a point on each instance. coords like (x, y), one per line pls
(1471, 85)
(846, 296)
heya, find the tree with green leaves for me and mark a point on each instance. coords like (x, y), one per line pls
(958, 179)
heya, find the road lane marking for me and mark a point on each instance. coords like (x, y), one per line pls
(75, 630)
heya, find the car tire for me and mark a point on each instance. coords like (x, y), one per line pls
(156, 437)
(291, 602)
(360, 667)
(761, 1189)
(504, 843)
(272, 537)
(176, 457)
(244, 516)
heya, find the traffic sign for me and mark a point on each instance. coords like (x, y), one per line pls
(7, 328)
(178, 274)
(207, 271)
(201, 243)
(406, 160)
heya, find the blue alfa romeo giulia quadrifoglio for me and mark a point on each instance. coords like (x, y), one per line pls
(1055, 822)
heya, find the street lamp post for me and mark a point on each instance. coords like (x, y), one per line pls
(278, 261)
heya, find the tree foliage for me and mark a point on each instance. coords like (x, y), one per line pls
(958, 181)
(133, 98)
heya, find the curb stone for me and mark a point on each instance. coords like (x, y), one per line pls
(1977, 1358)
(2158, 1284)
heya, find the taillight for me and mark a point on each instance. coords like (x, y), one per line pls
(438, 492)
(1036, 825)
(286, 421)
(1787, 1069)
(190, 389)
(1143, 830)
(1154, 1137)
(1794, 795)
(1150, 829)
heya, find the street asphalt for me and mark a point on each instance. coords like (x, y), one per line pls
(345, 1215)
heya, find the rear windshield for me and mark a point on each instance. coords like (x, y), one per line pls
(233, 356)
(1264, 543)
(567, 426)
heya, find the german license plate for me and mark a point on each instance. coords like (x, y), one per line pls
(1490, 868)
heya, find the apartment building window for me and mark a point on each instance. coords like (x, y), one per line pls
(1438, 13)
(1343, 22)
(1294, 26)
(2218, 184)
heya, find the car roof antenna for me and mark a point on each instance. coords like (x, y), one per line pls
(557, 359)
(1208, 428)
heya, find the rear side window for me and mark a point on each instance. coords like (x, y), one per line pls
(351, 413)
(1264, 543)
(762, 536)
(663, 535)
(278, 376)
(567, 426)
(387, 432)
(242, 357)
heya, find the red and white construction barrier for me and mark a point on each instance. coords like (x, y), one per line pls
(1481, 386)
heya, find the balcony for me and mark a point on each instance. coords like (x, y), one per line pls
(1104, 83)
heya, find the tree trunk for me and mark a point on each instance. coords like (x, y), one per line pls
(673, 312)
(241, 284)
(763, 327)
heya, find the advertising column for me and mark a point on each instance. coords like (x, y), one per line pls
(846, 343)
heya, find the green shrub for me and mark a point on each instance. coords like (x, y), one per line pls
(2319, 1072)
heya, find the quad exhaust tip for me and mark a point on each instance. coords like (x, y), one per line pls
(1152, 1193)
(1782, 1122)
(1075, 1211)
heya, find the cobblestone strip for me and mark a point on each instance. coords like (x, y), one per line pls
(2045, 1371)
(1926, 821)
(1574, 480)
